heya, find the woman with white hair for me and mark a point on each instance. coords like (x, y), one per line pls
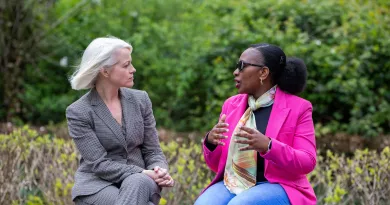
(114, 130)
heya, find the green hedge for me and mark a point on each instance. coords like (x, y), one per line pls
(38, 169)
(185, 51)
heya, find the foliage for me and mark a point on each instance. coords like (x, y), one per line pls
(184, 53)
(361, 179)
(38, 169)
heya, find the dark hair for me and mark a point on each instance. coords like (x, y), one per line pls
(288, 73)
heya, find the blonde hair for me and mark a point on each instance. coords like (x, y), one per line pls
(99, 54)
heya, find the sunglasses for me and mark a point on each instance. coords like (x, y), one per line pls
(241, 65)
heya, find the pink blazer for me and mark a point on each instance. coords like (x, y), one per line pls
(293, 152)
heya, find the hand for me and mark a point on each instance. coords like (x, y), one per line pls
(255, 140)
(215, 135)
(164, 179)
(150, 173)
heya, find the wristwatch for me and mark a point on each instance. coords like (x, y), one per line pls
(269, 145)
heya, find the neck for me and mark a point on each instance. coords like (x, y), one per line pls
(107, 91)
(263, 89)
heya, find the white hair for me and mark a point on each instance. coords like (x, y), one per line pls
(99, 54)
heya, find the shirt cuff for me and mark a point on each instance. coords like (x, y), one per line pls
(208, 145)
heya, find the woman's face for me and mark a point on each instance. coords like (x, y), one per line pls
(122, 73)
(248, 79)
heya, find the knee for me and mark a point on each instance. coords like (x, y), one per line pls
(201, 200)
(240, 201)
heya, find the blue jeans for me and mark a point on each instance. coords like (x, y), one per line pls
(263, 193)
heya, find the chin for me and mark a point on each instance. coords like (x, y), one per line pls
(129, 85)
(241, 91)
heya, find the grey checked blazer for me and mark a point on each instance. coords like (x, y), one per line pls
(107, 155)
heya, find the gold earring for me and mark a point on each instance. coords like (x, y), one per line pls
(261, 81)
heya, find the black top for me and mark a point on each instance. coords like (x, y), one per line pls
(262, 116)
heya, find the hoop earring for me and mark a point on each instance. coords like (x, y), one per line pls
(261, 81)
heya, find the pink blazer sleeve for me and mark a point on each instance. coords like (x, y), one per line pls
(300, 158)
(212, 157)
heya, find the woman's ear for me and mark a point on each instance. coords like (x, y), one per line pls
(264, 73)
(104, 72)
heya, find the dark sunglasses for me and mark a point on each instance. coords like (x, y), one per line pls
(241, 65)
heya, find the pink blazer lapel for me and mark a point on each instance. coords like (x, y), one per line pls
(278, 115)
(236, 110)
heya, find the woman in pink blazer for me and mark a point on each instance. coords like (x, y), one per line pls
(263, 146)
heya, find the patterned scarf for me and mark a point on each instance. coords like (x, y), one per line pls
(241, 166)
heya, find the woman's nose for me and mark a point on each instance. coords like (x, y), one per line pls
(235, 72)
(132, 69)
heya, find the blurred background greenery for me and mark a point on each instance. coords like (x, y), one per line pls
(184, 53)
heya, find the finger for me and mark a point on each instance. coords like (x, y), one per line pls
(246, 148)
(244, 135)
(159, 180)
(169, 182)
(167, 177)
(243, 141)
(219, 136)
(218, 142)
(221, 125)
(223, 118)
(162, 173)
(221, 143)
(249, 130)
(162, 184)
(221, 130)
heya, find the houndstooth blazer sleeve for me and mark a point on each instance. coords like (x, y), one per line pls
(92, 151)
(151, 149)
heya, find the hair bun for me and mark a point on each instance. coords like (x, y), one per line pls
(293, 78)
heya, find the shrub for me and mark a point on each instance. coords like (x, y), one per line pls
(38, 169)
(34, 165)
(185, 51)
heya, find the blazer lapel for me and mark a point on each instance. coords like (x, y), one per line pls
(129, 110)
(237, 109)
(105, 115)
(278, 115)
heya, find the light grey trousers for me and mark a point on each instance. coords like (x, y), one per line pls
(137, 189)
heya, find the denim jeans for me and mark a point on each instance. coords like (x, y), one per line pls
(263, 193)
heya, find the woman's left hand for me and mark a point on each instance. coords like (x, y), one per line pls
(254, 139)
(164, 179)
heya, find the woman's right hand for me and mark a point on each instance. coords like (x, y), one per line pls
(216, 134)
(160, 176)
(150, 173)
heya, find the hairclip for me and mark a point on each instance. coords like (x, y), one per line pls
(281, 60)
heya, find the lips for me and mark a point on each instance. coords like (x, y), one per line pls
(238, 83)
